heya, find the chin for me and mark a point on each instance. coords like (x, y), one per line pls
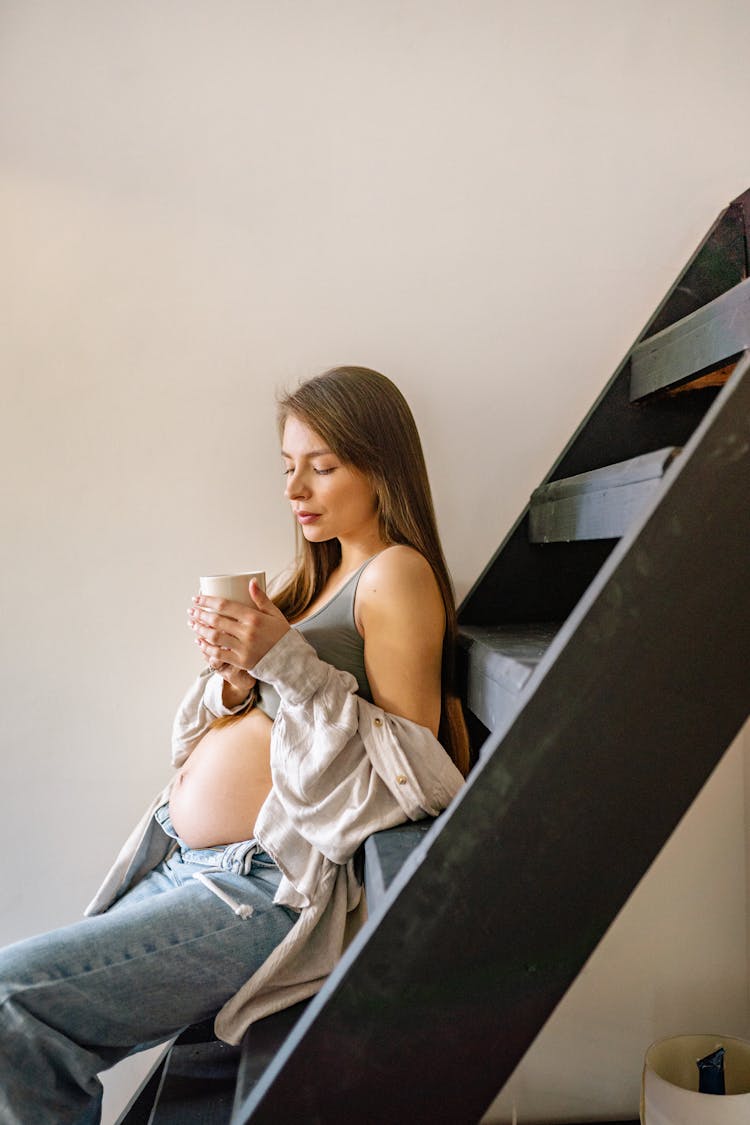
(316, 534)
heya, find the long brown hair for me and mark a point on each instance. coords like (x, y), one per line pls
(366, 422)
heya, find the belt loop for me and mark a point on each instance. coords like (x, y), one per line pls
(238, 858)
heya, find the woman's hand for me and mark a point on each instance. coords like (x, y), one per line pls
(234, 637)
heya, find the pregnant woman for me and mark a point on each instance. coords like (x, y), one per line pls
(323, 714)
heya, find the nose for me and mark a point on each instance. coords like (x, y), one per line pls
(296, 486)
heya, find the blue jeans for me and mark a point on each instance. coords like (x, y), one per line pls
(168, 954)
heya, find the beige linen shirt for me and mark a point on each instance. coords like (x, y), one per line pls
(342, 769)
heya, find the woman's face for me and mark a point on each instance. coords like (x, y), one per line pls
(329, 499)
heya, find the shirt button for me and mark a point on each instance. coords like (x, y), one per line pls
(401, 779)
(378, 722)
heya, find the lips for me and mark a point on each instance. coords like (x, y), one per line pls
(307, 517)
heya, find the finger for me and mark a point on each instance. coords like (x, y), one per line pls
(221, 606)
(262, 600)
(201, 618)
(215, 637)
(219, 654)
(213, 662)
(215, 657)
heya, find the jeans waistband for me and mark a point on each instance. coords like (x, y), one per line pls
(236, 858)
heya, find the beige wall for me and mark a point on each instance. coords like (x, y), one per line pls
(200, 203)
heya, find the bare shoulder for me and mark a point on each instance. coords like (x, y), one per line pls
(400, 613)
(398, 567)
(399, 579)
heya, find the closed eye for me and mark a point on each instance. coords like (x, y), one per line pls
(319, 472)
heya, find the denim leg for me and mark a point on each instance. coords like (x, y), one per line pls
(75, 1001)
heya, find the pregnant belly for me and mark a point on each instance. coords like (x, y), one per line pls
(218, 793)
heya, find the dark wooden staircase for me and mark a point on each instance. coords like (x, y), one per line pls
(604, 662)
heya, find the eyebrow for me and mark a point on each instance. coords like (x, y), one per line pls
(312, 453)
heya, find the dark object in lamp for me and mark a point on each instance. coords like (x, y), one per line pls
(711, 1073)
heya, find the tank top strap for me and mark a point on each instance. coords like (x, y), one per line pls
(332, 631)
(341, 605)
(351, 586)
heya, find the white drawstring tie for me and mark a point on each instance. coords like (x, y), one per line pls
(241, 909)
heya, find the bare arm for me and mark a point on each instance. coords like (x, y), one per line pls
(400, 613)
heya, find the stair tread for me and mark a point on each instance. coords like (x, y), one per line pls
(500, 659)
(385, 855)
(599, 504)
(507, 654)
(704, 339)
(636, 469)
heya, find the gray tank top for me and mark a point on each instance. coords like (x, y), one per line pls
(332, 632)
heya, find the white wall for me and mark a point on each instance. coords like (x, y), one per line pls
(201, 202)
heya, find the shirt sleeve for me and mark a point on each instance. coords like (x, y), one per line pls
(200, 707)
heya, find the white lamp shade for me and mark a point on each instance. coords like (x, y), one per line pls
(669, 1093)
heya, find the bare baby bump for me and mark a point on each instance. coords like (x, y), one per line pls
(218, 793)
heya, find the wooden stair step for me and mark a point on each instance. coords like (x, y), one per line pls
(386, 853)
(600, 504)
(704, 340)
(499, 661)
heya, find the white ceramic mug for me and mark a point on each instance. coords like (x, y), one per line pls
(232, 586)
